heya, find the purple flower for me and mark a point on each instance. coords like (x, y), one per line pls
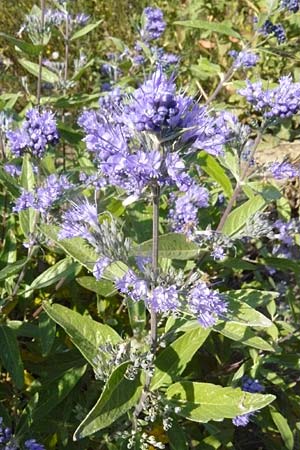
(280, 102)
(218, 253)
(78, 221)
(283, 170)
(132, 286)
(207, 305)
(291, 5)
(12, 170)
(38, 131)
(100, 266)
(164, 299)
(277, 29)
(254, 387)
(81, 19)
(45, 196)
(154, 24)
(31, 444)
(244, 59)
(183, 216)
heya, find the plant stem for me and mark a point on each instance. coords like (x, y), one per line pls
(155, 237)
(39, 81)
(66, 67)
(242, 178)
(226, 78)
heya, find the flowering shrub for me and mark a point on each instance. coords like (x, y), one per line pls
(149, 267)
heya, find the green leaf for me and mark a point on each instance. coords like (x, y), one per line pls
(253, 297)
(283, 264)
(10, 355)
(30, 49)
(33, 68)
(9, 183)
(137, 316)
(177, 438)
(27, 217)
(172, 361)
(243, 334)
(283, 428)
(211, 166)
(220, 28)
(51, 395)
(171, 245)
(70, 135)
(47, 330)
(76, 247)
(12, 269)
(241, 313)
(85, 333)
(202, 402)
(62, 269)
(238, 218)
(85, 30)
(103, 287)
(118, 396)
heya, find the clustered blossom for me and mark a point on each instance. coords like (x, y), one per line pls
(290, 5)
(207, 305)
(154, 24)
(45, 196)
(283, 170)
(79, 221)
(12, 170)
(58, 17)
(244, 59)
(183, 216)
(276, 29)
(254, 387)
(100, 266)
(8, 441)
(37, 132)
(279, 102)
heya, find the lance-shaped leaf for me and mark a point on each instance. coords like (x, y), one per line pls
(85, 333)
(85, 30)
(244, 334)
(172, 361)
(283, 428)
(30, 49)
(62, 269)
(242, 313)
(27, 216)
(118, 396)
(33, 68)
(211, 166)
(171, 245)
(12, 269)
(215, 27)
(201, 402)
(10, 355)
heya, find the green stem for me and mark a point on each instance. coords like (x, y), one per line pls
(39, 81)
(239, 184)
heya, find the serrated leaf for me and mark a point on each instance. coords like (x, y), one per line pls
(171, 245)
(33, 68)
(172, 361)
(30, 49)
(85, 30)
(220, 28)
(62, 269)
(103, 287)
(283, 428)
(211, 166)
(118, 396)
(202, 402)
(75, 247)
(10, 355)
(85, 333)
(238, 218)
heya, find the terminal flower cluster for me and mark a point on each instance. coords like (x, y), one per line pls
(280, 102)
(244, 59)
(283, 170)
(36, 134)
(277, 30)
(154, 24)
(290, 5)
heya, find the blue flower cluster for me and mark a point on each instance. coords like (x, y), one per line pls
(243, 59)
(291, 5)
(44, 196)
(38, 131)
(254, 387)
(58, 17)
(276, 29)
(280, 102)
(154, 24)
(283, 170)
(8, 441)
(205, 304)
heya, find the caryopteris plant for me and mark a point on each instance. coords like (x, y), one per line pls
(150, 260)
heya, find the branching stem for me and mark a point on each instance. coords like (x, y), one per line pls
(39, 81)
